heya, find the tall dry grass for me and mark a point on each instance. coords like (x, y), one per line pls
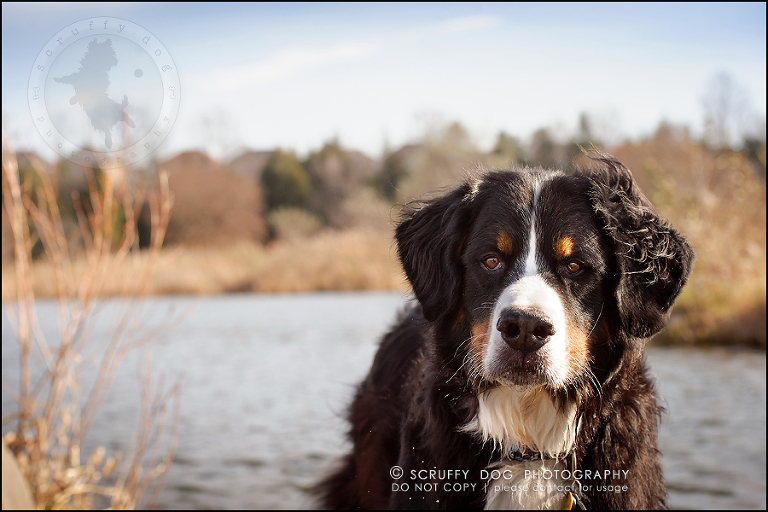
(352, 260)
(329, 261)
(56, 410)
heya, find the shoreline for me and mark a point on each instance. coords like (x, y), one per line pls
(359, 261)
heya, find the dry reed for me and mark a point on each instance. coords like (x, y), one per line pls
(55, 410)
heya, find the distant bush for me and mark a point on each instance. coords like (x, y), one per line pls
(213, 207)
(442, 159)
(506, 152)
(393, 172)
(285, 183)
(337, 175)
(366, 210)
(293, 224)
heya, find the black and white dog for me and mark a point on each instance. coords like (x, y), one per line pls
(519, 380)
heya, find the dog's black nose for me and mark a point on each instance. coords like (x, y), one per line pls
(524, 330)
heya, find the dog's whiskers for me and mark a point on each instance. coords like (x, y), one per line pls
(469, 353)
(583, 370)
(596, 320)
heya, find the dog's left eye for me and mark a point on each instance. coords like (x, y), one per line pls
(492, 263)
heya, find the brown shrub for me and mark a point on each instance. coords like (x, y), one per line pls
(213, 205)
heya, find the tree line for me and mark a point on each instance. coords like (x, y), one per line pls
(268, 195)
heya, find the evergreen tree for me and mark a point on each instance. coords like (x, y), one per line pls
(285, 183)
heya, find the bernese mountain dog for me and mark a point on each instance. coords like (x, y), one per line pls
(519, 380)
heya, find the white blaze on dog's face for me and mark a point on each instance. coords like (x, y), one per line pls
(535, 310)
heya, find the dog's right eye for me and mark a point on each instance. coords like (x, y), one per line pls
(492, 262)
(573, 267)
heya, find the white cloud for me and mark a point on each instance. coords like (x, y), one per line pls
(281, 65)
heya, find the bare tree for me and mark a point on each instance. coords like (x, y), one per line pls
(726, 111)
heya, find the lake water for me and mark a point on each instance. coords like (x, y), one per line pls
(266, 380)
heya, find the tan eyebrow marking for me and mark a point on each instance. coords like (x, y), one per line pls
(564, 247)
(504, 242)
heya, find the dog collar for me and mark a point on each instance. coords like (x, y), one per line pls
(525, 457)
(572, 500)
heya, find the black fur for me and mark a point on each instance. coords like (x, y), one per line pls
(654, 259)
(409, 409)
(431, 261)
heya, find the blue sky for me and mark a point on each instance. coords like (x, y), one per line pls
(296, 75)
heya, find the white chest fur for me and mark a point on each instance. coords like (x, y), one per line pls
(516, 418)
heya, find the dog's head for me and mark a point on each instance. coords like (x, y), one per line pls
(549, 276)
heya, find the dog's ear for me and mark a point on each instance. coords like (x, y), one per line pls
(654, 260)
(429, 242)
